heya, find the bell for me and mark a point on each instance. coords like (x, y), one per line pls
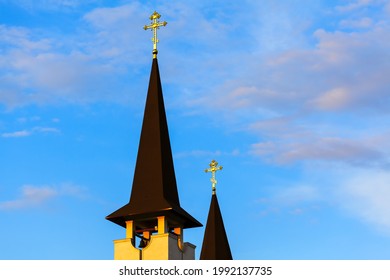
(143, 243)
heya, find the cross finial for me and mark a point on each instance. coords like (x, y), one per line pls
(213, 168)
(154, 25)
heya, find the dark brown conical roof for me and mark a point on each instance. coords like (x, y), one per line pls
(154, 192)
(215, 242)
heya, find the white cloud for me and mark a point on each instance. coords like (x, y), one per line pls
(297, 194)
(28, 119)
(204, 153)
(346, 71)
(39, 67)
(109, 18)
(23, 38)
(30, 132)
(45, 69)
(327, 103)
(46, 129)
(333, 99)
(31, 196)
(48, 77)
(36, 196)
(45, 5)
(335, 149)
(358, 4)
(288, 140)
(265, 68)
(289, 148)
(364, 22)
(357, 193)
(297, 199)
(16, 134)
(365, 195)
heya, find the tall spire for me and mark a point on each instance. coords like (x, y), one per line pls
(154, 192)
(215, 242)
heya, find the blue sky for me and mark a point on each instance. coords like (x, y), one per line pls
(290, 97)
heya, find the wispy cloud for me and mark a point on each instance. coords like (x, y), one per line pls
(343, 66)
(45, 5)
(35, 196)
(42, 68)
(28, 119)
(364, 22)
(365, 195)
(298, 199)
(358, 193)
(358, 4)
(16, 134)
(327, 102)
(334, 99)
(345, 71)
(288, 140)
(204, 153)
(295, 195)
(39, 68)
(321, 149)
(30, 132)
(31, 196)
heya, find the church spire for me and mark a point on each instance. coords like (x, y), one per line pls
(154, 188)
(215, 242)
(154, 185)
(153, 211)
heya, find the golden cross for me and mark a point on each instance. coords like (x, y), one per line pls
(213, 168)
(154, 25)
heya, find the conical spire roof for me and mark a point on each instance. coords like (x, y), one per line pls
(215, 242)
(154, 192)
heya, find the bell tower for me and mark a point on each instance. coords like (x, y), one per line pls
(154, 215)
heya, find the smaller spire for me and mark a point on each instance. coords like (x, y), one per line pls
(213, 169)
(154, 25)
(215, 244)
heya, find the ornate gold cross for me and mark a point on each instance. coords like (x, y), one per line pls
(154, 25)
(213, 168)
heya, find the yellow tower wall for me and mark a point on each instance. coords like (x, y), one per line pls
(161, 247)
(165, 247)
(124, 250)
